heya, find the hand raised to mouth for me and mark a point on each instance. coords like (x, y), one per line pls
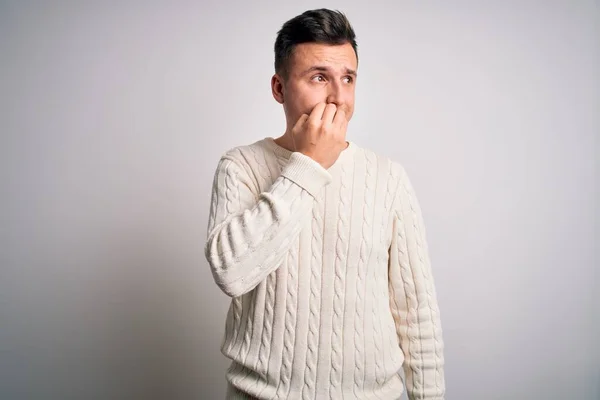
(322, 134)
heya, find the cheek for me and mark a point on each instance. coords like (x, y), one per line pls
(349, 114)
(308, 100)
(304, 98)
(351, 107)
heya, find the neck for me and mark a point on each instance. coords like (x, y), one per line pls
(286, 141)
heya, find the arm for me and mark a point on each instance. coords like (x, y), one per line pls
(248, 232)
(413, 299)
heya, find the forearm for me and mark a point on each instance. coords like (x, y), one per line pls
(250, 240)
(423, 349)
(416, 312)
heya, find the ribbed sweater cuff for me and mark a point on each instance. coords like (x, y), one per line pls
(307, 173)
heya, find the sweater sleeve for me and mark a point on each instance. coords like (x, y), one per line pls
(249, 232)
(413, 299)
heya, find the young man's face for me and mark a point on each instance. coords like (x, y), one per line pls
(317, 73)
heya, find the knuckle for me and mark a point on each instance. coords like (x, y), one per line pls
(313, 124)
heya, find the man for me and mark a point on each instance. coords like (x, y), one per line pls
(321, 244)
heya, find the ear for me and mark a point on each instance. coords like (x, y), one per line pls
(277, 88)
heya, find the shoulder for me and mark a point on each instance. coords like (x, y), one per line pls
(247, 153)
(250, 164)
(385, 165)
(393, 178)
(250, 158)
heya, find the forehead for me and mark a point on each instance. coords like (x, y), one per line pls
(306, 55)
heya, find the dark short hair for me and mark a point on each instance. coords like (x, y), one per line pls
(317, 26)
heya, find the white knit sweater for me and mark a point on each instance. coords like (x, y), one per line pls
(329, 275)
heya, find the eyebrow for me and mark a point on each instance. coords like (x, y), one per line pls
(321, 68)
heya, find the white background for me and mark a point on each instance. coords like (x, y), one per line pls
(114, 115)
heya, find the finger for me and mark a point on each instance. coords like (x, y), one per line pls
(300, 122)
(317, 112)
(329, 113)
(340, 117)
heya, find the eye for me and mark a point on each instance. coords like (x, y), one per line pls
(318, 78)
(348, 79)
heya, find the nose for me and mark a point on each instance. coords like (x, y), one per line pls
(335, 95)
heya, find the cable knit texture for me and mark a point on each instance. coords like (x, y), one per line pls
(328, 270)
